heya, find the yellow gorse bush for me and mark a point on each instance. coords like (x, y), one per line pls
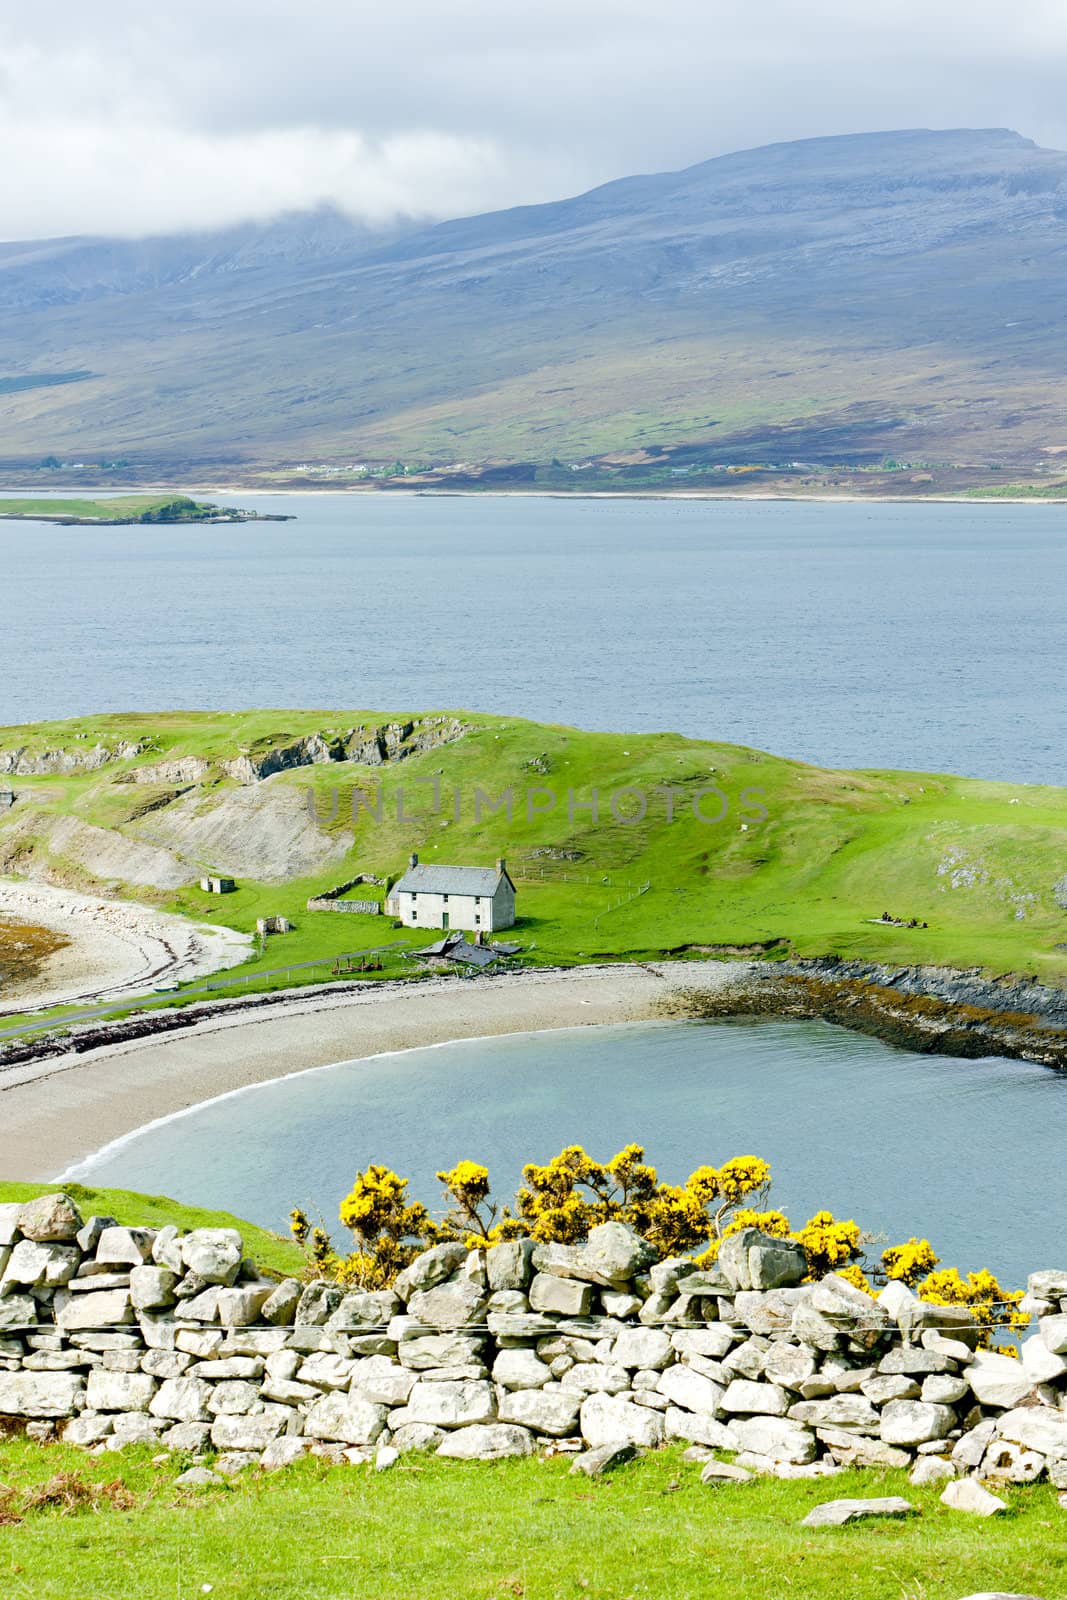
(561, 1201)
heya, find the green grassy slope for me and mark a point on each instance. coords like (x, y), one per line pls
(116, 508)
(509, 1530)
(977, 861)
(267, 1249)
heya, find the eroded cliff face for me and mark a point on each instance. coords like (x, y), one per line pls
(170, 815)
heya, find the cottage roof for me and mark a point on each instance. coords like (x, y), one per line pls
(473, 955)
(449, 880)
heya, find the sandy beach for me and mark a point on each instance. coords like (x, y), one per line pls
(114, 947)
(54, 1113)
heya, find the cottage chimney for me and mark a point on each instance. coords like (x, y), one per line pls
(501, 865)
(413, 859)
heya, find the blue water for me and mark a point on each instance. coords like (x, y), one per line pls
(906, 1144)
(923, 636)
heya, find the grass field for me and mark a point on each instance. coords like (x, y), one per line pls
(114, 509)
(782, 856)
(134, 1210)
(510, 1530)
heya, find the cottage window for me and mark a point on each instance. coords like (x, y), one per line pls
(444, 897)
(477, 920)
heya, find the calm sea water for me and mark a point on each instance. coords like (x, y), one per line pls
(906, 1144)
(923, 636)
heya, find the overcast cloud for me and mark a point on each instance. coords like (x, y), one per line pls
(125, 118)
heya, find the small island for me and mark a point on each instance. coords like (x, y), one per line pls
(129, 508)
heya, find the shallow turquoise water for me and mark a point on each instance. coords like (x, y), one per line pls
(968, 1153)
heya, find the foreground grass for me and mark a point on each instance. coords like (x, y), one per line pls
(267, 1249)
(512, 1530)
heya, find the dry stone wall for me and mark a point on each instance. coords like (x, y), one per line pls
(111, 1336)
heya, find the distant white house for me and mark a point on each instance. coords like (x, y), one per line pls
(477, 899)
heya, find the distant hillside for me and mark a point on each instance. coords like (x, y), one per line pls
(835, 299)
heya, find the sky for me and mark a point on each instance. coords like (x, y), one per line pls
(134, 119)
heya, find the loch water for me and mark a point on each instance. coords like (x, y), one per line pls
(928, 636)
(967, 1153)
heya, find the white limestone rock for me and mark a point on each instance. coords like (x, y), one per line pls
(253, 1431)
(912, 1422)
(698, 1430)
(280, 1305)
(182, 1400)
(1053, 1331)
(554, 1412)
(283, 1452)
(119, 1391)
(776, 1437)
(87, 1428)
(788, 1365)
(134, 1427)
(850, 1412)
(1036, 1428)
(566, 1297)
(691, 1390)
(346, 1418)
(50, 1219)
(998, 1381)
(213, 1254)
(486, 1442)
(931, 1469)
(32, 1265)
(1039, 1363)
(759, 1399)
(966, 1494)
(432, 1267)
(608, 1418)
(152, 1288)
(233, 1397)
(106, 1308)
(382, 1381)
(751, 1259)
(508, 1265)
(452, 1405)
(520, 1369)
(649, 1348)
(586, 1377)
(836, 1513)
(188, 1437)
(124, 1247)
(1010, 1463)
(448, 1305)
(40, 1394)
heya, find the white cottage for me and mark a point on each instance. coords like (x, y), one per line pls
(477, 899)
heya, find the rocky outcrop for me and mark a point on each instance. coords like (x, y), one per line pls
(937, 1010)
(114, 1335)
(23, 763)
(365, 745)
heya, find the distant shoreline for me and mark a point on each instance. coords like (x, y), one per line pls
(443, 493)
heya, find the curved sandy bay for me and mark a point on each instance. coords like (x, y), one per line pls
(55, 1113)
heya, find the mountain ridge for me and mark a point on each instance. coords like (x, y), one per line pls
(884, 291)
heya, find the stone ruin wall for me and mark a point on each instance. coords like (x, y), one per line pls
(111, 1336)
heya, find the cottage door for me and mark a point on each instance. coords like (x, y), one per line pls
(444, 919)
